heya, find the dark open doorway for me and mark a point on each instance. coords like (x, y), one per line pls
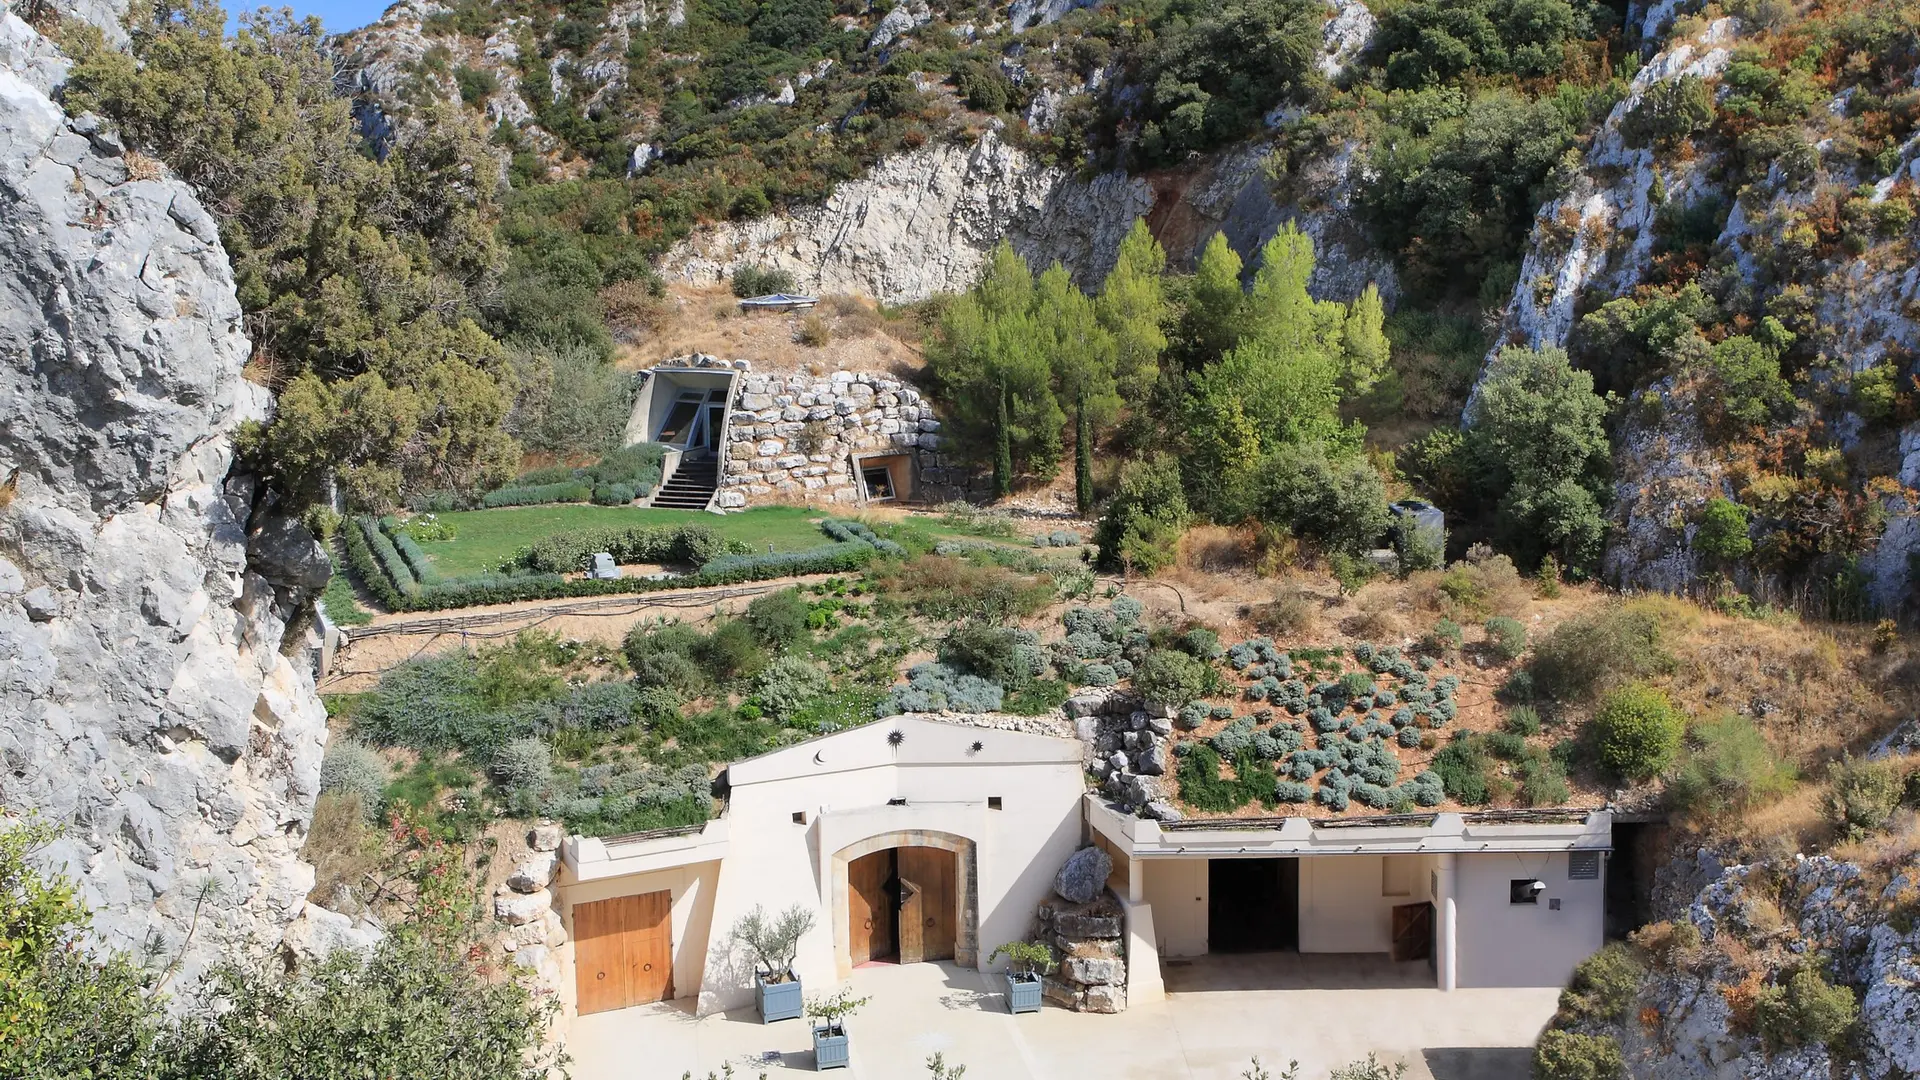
(1253, 905)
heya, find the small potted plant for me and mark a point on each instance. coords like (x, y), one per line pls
(1027, 961)
(773, 943)
(830, 1046)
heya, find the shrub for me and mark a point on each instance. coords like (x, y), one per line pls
(788, 684)
(572, 491)
(1523, 720)
(1586, 655)
(1506, 638)
(1567, 1055)
(994, 653)
(952, 589)
(1166, 676)
(1200, 643)
(1727, 767)
(426, 704)
(760, 281)
(1099, 673)
(1444, 639)
(778, 619)
(1807, 1011)
(813, 332)
(935, 687)
(1143, 522)
(522, 764)
(1462, 768)
(350, 768)
(1602, 988)
(730, 652)
(1637, 731)
(1722, 533)
(1862, 795)
(1203, 788)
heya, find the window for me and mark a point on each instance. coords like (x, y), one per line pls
(673, 429)
(993, 802)
(799, 817)
(1583, 866)
(1525, 890)
(896, 802)
(879, 481)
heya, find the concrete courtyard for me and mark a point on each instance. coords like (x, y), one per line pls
(1219, 1013)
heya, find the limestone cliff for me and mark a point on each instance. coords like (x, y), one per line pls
(1693, 1016)
(147, 701)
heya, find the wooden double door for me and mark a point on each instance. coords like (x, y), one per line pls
(623, 951)
(901, 904)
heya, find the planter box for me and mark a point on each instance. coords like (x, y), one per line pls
(830, 1049)
(777, 1001)
(1023, 993)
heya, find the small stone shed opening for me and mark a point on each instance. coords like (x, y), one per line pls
(885, 477)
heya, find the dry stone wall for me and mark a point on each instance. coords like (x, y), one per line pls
(795, 437)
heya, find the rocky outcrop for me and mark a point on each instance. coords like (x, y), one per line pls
(1692, 1016)
(924, 222)
(147, 701)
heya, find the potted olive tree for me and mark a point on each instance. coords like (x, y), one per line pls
(1027, 961)
(773, 943)
(830, 1046)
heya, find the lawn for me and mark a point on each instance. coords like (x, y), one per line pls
(486, 537)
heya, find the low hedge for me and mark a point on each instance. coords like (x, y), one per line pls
(366, 568)
(571, 491)
(416, 559)
(561, 552)
(852, 532)
(382, 574)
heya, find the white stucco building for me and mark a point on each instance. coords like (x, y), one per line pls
(914, 839)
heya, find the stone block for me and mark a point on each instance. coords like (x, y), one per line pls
(1089, 970)
(791, 461)
(1087, 926)
(534, 873)
(756, 402)
(730, 500)
(518, 909)
(769, 448)
(1106, 999)
(813, 483)
(1064, 993)
(1084, 875)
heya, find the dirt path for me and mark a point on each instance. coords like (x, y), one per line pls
(392, 639)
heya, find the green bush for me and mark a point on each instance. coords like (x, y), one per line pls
(1168, 677)
(1203, 788)
(1506, 638)
(778, 618)
(1590, 653)
(1543, 782)
(1807, 1011)
(1523, 720)
(1444, 639)
(1145, 519)
(350, 768)
(761, 281)
(1862, 795)
(571, 491)
(787, 685)
(1727, 767)
(1722, 533)
(1603, 987)
(522, 764)
(1001, 654)
(730, 652)
(426, 704)
(1567, 1055)
(1462, 767)
(1637, 731)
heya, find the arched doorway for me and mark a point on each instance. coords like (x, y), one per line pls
(906, 896)
(901, 906)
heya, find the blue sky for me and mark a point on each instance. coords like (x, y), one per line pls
(337, 15)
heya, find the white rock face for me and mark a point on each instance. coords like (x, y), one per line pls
(924, 222)
(1838, 914)
(145, 704)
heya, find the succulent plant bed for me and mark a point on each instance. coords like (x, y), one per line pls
(1340, 731)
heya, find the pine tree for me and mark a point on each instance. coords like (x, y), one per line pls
(1003, 452)
(1082, 460)
(1131, 306)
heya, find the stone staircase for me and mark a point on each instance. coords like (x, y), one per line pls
(690, 487)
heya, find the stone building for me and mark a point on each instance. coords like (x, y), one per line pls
(740, 438)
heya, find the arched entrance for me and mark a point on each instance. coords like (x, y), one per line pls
(908, 896)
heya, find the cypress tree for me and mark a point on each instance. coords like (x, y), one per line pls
(1002, 451)
(1082, 459)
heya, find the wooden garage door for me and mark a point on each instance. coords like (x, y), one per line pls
(623, 951)
(927, 922)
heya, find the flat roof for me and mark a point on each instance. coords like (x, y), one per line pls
(1493, 831)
